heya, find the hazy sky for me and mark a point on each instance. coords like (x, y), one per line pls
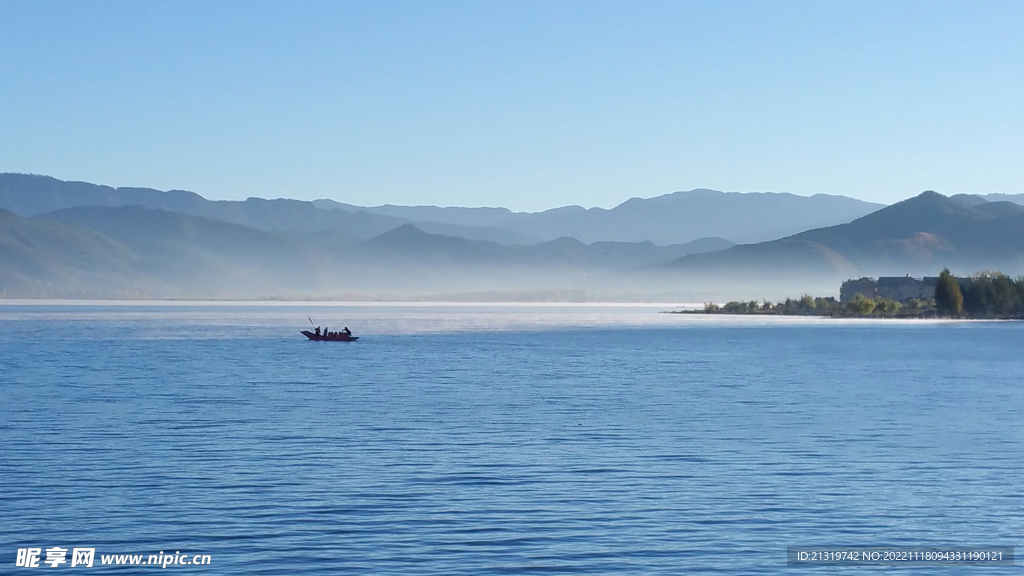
(523, 104)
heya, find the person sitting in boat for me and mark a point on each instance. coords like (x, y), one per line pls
(317, 330)
(346, 331)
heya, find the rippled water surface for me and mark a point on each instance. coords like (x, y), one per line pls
(502, 439)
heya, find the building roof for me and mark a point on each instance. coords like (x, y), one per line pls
(889, 280)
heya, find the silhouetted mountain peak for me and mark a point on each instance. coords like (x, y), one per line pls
(566, 210)
(922, 213)
(564, 241)
(404, 232)
(410, 237)
(969, 200)
(1000, 197)
(1000, 208)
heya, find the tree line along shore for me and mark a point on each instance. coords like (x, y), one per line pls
(985, 295)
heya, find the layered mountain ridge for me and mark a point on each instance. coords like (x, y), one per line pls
(102, 242)
(668, 219)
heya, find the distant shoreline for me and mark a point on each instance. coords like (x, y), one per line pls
(660, 305)
(928, 315)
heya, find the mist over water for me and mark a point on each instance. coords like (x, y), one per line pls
(496, 439)
(181, 319)
(224, 320)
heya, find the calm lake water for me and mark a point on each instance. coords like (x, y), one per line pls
(502, 439)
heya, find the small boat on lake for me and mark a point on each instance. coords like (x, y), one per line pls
(330, 336)
(344, 335)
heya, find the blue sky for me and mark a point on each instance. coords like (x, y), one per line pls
(523, 104)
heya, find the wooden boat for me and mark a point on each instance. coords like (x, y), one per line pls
(339, 337)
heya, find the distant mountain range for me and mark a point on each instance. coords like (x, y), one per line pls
(67, 239)
(31, 195)
(133, 251)
(670, 219)
(918, 236)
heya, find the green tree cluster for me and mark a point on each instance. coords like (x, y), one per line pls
(949, 301)
(993, 295)
(887, 307)
(918, 304)
(741, 307)
(860, 305)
